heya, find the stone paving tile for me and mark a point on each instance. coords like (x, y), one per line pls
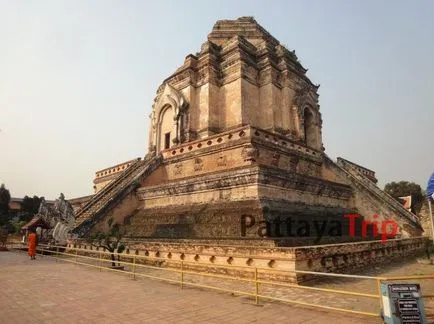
(408, 266)
(45, 291)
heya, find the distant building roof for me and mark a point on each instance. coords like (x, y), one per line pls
(20, 200)
(35, 222)
(16, 203)
(78, 200)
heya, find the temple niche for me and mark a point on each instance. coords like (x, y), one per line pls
(168, 120)
(236, 131)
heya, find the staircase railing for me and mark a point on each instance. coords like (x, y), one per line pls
(368, 184)
(127, 180)
(386, 197)
(106, 190)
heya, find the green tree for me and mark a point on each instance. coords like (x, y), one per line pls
(30, 207)
(8, 227)
(5, 198)
(405, 188)
(3, 237)
(110, 240)
(16, 225)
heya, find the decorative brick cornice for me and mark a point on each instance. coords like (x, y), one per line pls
(292, 180)
(240, 135)
(244, 176)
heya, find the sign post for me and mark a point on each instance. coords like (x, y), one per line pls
(430, 194)
(402, 303)
(431, 219)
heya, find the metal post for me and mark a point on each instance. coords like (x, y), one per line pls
(431, 220)
(100, 261)
(379, 293)
(76, 252)
(256, 287)
(134, 268)
(57, 253)
(182, 274)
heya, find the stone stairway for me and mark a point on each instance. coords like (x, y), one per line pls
(367, 184)
(109, 196)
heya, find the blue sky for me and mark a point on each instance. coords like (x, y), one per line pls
(78, 79)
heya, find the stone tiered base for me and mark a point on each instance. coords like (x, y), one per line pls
(274, 263)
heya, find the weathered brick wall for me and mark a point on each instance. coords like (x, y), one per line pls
(234, 260)
(351, 256)
(126, 207)
(275, 263)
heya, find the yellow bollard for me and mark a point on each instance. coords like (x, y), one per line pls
(134, 268)
(256, 287)
(379, 292)
(182, 274)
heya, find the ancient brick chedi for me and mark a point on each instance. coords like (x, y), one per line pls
(235, 147)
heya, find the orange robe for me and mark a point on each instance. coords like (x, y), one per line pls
(32, 241)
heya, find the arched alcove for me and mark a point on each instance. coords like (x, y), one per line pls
(309, 128)
(169, 120)
(166, 131)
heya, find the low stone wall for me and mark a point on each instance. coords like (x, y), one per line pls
(351, 256)
(234, 260)
(241, 260)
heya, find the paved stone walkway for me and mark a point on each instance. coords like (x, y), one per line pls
(45, 291)
(406, 267)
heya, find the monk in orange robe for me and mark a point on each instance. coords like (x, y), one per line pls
(32, 241)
